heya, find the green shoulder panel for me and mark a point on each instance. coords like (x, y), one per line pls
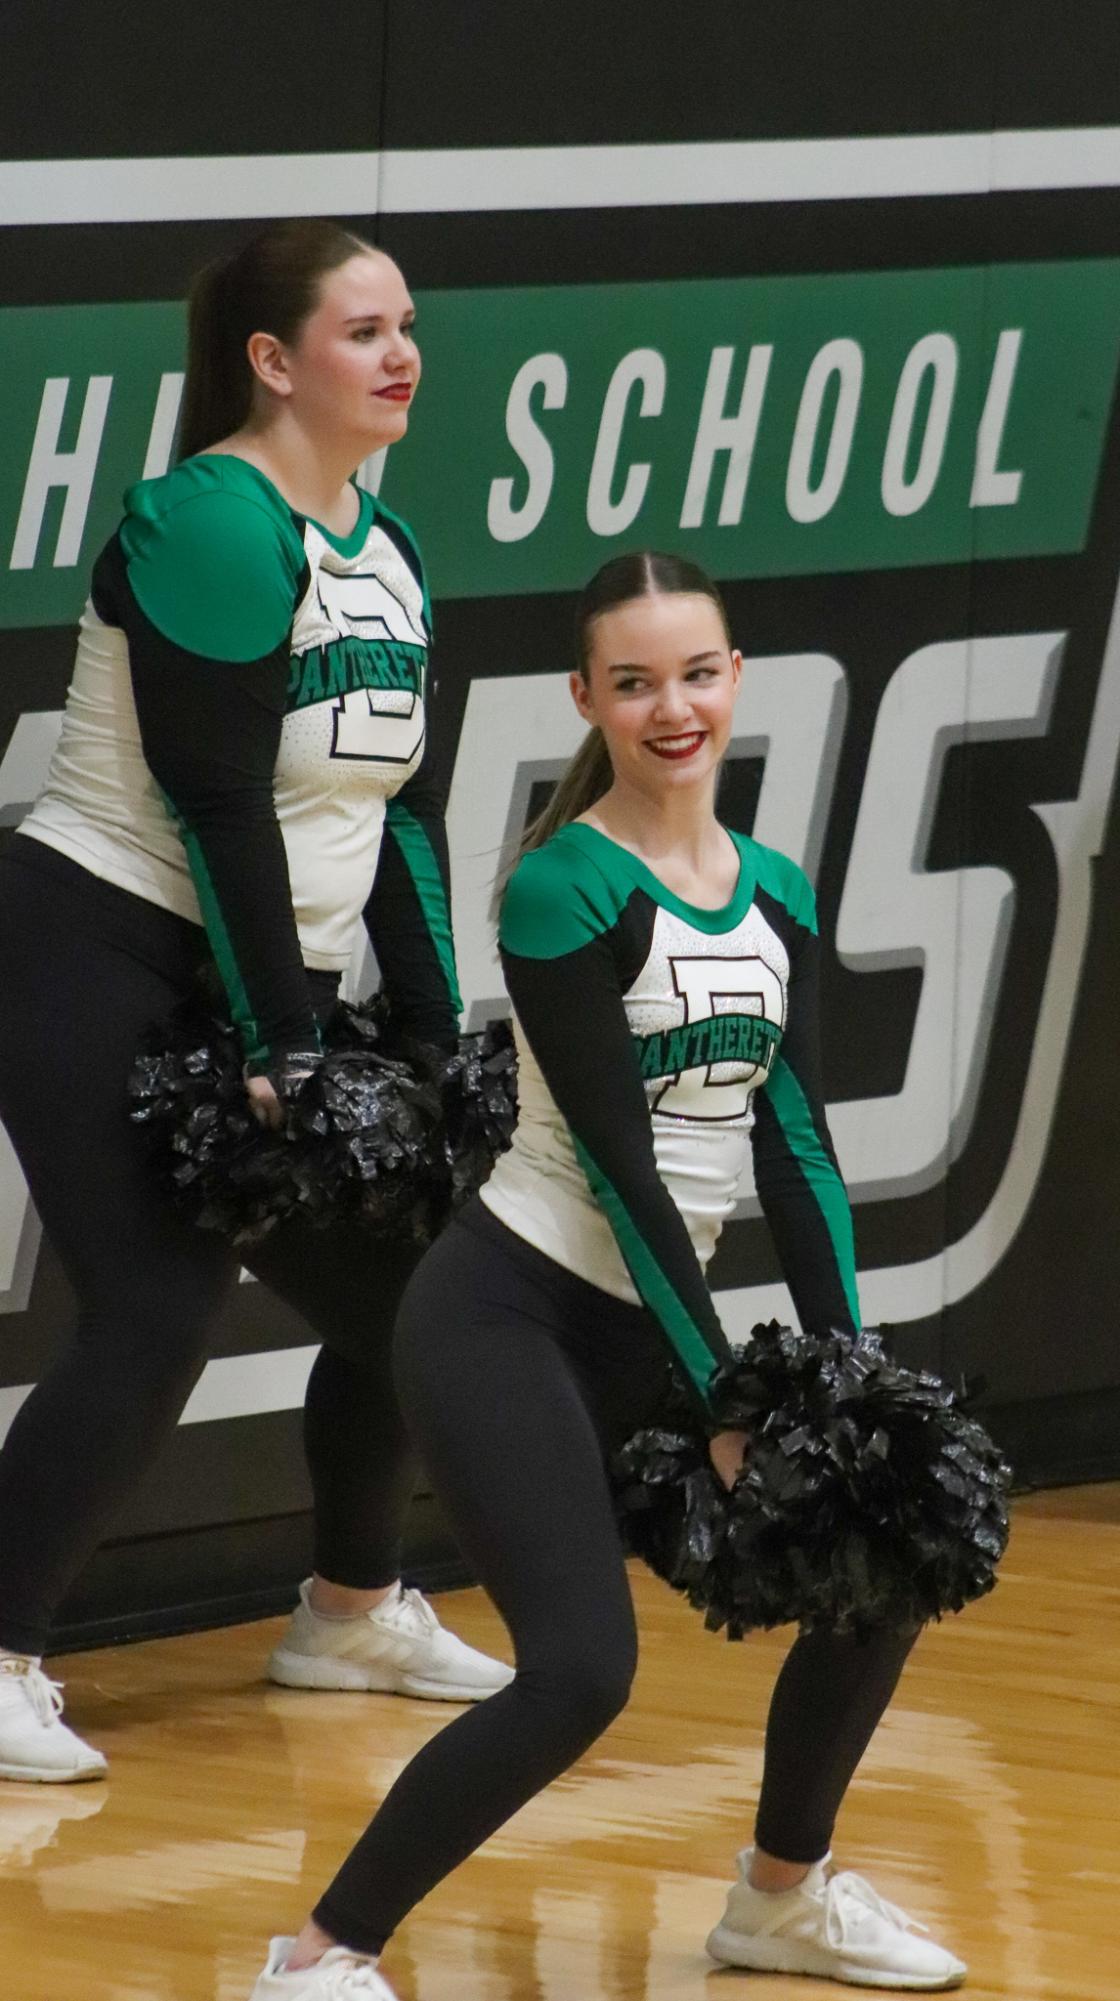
(214, 557)
(559, 898)
(780, 878)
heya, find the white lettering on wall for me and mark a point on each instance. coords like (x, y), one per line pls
(936, 354)
(507, 522)
(50, 468)
(604, 516)
(990, 487)
(805, 502)
(161, 437)
(719, 432)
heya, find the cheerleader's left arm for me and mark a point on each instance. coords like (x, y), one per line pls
(408, 915)
(799, 1182)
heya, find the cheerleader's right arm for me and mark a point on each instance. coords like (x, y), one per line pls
(560, 939)
(207, 609)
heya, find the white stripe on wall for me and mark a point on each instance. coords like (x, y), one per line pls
(545, 177)
(189, 190)
(235, 1386)
(556, 177)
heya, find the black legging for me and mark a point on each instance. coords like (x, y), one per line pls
(85, 967)
(515, 1378)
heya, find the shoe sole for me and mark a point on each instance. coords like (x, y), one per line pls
(778, 1955)
(45, 1775)
(328, 1672)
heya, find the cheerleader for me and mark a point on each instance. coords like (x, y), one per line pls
(663, 973)
(240, 779)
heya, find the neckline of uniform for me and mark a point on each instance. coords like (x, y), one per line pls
(343, 545)
(704, 919)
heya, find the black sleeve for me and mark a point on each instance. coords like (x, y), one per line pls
(408, 915)
(796, 1173)
(210, 732)
(571, 1013)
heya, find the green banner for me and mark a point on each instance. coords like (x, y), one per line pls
(765, 426)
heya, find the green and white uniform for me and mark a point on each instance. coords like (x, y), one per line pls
(654, 1038)
(247, 718)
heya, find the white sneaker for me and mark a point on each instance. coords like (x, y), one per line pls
(34, 1741)
(399, 1648)
(835, 1926)
(341, 1975)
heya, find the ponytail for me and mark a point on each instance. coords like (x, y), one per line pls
(218, 386)
(583, 781)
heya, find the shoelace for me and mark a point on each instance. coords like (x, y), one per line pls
(411, 1613)
(850, 1898)
(45, 1696)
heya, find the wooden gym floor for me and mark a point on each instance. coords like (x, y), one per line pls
(988, 1805)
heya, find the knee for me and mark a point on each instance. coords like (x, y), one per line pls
(603, 1693)
(586, 1687)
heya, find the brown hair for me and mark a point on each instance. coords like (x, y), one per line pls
(641, 574)
(270, 285)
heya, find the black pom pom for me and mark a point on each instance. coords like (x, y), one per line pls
(393, 1134)
(480, 1107)
(870, 1497)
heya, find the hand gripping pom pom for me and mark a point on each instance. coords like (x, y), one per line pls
(869, 1498)
(394, 1135)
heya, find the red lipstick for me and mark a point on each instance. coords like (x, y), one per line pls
(676, 749)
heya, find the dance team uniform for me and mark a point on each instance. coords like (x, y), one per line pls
(655, 1041)
(240, 775)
